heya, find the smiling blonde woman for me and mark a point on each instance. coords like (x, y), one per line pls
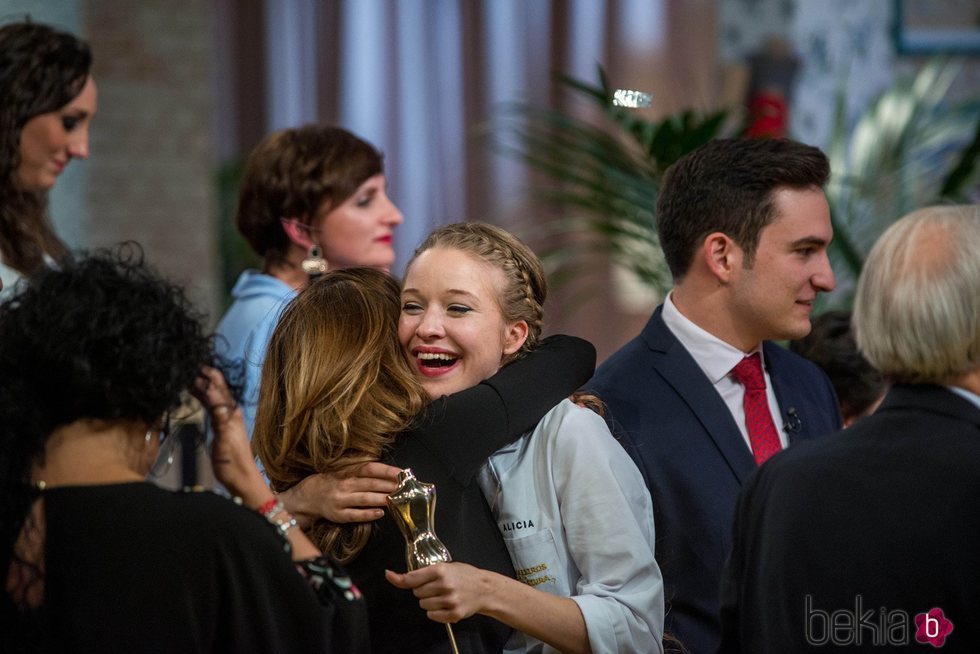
(570, 505)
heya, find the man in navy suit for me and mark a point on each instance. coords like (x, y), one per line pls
(744, 227)
(870, 540)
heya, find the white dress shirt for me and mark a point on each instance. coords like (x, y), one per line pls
(716, 358)
(577, 520)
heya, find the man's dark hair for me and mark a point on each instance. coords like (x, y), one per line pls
(727, 186)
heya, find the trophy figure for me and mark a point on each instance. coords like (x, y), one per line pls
(413, 506)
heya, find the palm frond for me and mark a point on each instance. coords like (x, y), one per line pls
(896, 158)
(909, 148)
(602, 178)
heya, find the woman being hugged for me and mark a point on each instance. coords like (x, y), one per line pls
(341, 411)
(335, 392)
(313, 199)
(570, 504)
(48, 101)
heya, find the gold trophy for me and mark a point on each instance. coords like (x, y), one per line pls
(413, 506)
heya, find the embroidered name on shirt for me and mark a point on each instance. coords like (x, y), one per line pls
(516, 525)
(524, 575)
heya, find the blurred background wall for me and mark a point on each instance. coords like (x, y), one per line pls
(187, 87)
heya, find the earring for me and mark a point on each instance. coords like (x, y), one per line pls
(149, 436)
(314, 264)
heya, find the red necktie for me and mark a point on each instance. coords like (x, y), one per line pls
(763, 436)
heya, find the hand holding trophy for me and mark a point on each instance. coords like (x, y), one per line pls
(413, 506)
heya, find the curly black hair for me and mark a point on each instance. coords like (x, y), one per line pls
(41, 70)
(100, 336)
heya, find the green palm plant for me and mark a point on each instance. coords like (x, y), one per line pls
(604, 178)
(910, 148)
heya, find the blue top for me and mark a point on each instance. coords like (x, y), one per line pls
(246, 329)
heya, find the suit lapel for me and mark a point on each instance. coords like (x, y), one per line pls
(679, 369)
(789, 395)
(815, 413)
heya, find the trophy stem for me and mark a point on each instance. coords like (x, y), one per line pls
(452, 638)
(413, 506)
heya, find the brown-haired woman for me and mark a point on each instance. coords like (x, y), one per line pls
(339, 398)
(313, 199)
(49, 100)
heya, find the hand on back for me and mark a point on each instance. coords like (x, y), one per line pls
(354, 493)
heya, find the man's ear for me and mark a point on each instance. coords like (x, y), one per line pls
(721, 255)
(297, 231)
(515, 336)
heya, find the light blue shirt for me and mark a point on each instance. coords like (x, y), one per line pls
(246, 329)
(577, 520)
(966, 395)
(9, 277)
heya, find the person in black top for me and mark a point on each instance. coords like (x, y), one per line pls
(340, 406)
(94, 356)
(866, 541)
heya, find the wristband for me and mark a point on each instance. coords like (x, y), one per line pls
(271, 508)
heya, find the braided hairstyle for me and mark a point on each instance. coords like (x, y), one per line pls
(41, 70)
(523, 296)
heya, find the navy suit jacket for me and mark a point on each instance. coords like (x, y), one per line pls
(684, 439)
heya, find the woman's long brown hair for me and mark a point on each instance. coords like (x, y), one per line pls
(335, 389)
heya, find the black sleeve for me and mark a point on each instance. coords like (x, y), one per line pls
(733, 580)
(344, 609)
(465, 428)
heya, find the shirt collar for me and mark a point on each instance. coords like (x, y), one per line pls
(967, 395)
(715, 357)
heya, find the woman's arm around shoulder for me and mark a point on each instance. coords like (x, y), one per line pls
(468, 426)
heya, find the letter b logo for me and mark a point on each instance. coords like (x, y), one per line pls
(932, 627)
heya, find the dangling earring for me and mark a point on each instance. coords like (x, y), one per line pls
(314, 264)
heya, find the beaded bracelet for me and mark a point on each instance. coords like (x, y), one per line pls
(286, 525)
(268, 506)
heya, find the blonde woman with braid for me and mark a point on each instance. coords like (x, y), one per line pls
(341, 409)
(570, 504)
